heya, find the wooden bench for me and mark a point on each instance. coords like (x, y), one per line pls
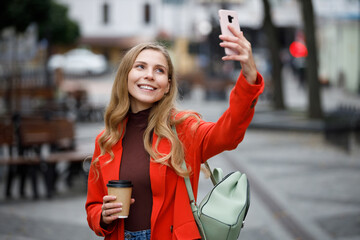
(36, 132)
(6, 131)
(56, 157)
(6, 138)
(68, 156)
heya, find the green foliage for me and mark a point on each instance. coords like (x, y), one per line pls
(51, 18)
(21, 13)
(59, 29)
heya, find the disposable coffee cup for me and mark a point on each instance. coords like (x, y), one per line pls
(122, 189)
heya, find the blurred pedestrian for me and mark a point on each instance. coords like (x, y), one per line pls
(139, 144)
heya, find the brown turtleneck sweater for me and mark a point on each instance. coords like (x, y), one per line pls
(135, 165)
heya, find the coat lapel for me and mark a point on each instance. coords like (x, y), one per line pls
(111, 170)
(158, 180)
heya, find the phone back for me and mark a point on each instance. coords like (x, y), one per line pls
(228, 17)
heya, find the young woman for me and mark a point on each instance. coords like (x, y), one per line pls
(139, 144)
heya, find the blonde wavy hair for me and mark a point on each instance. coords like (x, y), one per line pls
(162, 117)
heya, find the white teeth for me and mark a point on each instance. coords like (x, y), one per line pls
(146, 87)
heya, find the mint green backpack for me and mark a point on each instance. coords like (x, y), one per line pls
(221, 214)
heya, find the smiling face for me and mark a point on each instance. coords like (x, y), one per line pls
(148, 80)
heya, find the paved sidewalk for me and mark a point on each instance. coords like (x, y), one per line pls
(309, 186)
(298, 181)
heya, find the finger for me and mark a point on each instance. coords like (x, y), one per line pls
(238, 58)
(111, 212)
(132, 201)
(234, 47)
(228, 38)
(109, 219)
(236, 32)
(111, 205)
(108, 198)
(231, 45)
(238, 43)
(238, 38)
(235, 42)
(230, 57)
(239, 35)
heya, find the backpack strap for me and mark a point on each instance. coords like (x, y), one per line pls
(194, 207)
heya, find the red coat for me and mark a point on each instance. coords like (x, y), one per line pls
(171, 216)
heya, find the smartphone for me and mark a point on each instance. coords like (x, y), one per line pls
(228, 17)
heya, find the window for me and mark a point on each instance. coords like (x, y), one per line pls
(147, 13)
(105, 12)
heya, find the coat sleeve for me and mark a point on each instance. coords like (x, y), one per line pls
(210, 138)
(95, 192)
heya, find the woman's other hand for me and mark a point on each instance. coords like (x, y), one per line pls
(109, 208)
(242, 46)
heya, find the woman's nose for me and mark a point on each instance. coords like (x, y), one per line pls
(149, 74)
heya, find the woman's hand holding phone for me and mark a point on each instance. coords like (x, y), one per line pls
(237, 47)
(244, 55)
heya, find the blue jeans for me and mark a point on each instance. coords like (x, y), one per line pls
(138, 235)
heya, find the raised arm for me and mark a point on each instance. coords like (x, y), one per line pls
(213, 138)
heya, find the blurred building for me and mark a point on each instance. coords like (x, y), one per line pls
(338, 29)
(112, 26)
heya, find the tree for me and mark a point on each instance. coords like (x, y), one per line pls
(19, 14)
(58, 28)
(51, 17)
(273, 45)
(314, 105)
(53, 24)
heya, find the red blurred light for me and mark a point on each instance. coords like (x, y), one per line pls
(298, 49)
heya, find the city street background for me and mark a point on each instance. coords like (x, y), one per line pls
(301, 152)
(302, 187)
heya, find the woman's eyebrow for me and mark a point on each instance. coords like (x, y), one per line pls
(162, 66)
(137, 62)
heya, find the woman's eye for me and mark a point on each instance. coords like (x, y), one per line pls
(140, 66)
(160, 70)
